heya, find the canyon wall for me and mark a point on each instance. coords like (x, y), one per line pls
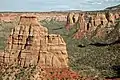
(86, 23)
(10, 17)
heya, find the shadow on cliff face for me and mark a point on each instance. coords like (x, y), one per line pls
(58, 28)
(111, 38)
(116, 68)
(106, 44)
(90, 57)
(81, 45)
(102, 44)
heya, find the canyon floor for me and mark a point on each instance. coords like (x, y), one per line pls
(88, 59)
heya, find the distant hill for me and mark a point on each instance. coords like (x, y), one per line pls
(75, 11)
(117, 7)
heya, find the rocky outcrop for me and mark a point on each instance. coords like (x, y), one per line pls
(30, 44)
(69, 21)
(82, 28)
(90, 23)
(116, 15)
(48, 16)
(72, 18)
(103, 19)
(81, 21)
(6, 17)
(110, 17)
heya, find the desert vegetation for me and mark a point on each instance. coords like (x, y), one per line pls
(87, 57)
(10, 64)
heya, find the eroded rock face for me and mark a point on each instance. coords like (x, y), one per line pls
(96, 22)
(110, 17)
(70, 18)
(103, 19)
(81, 21)
(116, 16)
(30, 44)
(69, 21)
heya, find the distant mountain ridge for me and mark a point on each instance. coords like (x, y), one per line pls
(117, 7)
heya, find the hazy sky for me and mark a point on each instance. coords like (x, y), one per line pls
(52, 5)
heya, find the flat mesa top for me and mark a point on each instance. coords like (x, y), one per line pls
(29, 20)
(28, 16)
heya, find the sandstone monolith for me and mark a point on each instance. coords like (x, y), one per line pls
(30, 44)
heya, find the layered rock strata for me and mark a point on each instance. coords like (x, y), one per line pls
(30, 44)
(89, 23)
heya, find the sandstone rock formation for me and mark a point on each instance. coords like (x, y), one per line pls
(89, 23)
(69, 21)
(110, 17)
(70, 18)
(97, 19)
(116, 16)
(81, 21)
(103, 19)
(6, 17)
(82, 28)
(30, 44)
(11, 17)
